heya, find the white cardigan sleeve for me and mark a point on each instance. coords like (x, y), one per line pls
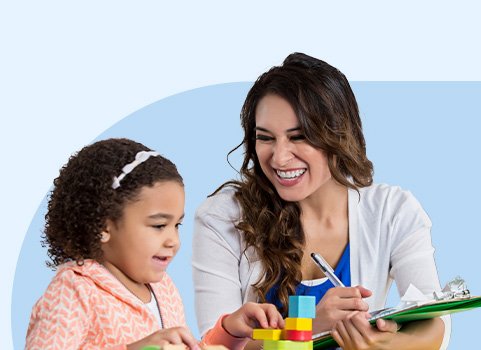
(412, 254)
(215, 260)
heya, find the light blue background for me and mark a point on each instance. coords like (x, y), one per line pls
(70, 70)
(421, 136)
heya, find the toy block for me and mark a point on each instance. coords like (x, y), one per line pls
(302, 306)
(165, 347)
(298, 324)
(287, 345)
(267, 334)
(298, 335)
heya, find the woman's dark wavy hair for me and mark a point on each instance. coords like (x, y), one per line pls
(329, 118)
(83, 198)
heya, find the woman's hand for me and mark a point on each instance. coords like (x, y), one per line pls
(355, 332)
(252, 315)
(175, 335)
(337, 304)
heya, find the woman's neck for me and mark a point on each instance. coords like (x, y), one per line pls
(329, 203)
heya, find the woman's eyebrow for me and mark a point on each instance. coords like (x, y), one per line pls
(260, 128)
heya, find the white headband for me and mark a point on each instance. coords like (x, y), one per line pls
(140, 157)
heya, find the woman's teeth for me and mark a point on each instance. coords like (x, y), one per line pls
(290, 174)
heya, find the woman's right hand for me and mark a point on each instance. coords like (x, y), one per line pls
(337, 304)
(174, 335)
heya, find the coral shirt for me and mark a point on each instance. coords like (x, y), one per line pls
(86, 307)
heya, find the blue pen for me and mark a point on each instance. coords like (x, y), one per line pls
(327, 269)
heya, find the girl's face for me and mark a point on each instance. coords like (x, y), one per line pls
(143, 242)
(295, 168)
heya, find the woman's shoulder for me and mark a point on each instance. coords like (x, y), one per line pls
(222, 204)
(386, 195)
(391, 202)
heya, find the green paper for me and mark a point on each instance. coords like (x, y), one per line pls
(415, 313)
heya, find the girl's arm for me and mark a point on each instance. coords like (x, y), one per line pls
(59, 320)
(235, 330)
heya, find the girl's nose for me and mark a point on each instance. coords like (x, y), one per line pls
(172, 240)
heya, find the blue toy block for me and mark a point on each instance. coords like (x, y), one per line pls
(302, 306)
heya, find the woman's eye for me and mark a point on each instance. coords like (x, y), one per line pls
(263, 138)
(158, 227)
(178, 225)
(299, 137)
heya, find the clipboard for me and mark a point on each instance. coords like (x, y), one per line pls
(415, 312)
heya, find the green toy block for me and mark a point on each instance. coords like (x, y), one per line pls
(287, 345)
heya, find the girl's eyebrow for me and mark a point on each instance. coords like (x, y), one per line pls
(260, 128)
(164, 216)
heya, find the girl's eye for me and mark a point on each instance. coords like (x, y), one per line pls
(263, 138)
(299, 137)
(158, 227)
(178, 225)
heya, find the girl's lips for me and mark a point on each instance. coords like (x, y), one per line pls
(161, 261)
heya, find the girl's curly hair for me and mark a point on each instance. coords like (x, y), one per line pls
(329, 118)
(83, 198)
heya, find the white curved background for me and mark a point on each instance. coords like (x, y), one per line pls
(69, 71)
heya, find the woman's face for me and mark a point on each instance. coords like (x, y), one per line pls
(295, 168)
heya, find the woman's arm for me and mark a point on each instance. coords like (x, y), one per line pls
(215, 262)
(357, 333)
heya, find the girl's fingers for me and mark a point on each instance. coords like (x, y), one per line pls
(274, 317)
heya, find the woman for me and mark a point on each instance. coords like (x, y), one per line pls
(306, 186)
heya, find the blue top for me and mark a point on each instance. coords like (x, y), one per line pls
(342, 270)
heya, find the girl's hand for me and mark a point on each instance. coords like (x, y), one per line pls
(337, 304)
(355, 332)
(252, 315)
(175, 335)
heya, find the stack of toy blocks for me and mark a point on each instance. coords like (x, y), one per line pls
(297, 334)
(182, 347)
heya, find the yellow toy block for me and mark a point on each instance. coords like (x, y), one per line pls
(267, 334)
(287, 345)
(298, 324)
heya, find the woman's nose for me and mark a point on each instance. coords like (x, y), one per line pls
(281, 153)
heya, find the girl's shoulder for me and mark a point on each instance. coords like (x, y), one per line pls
(71, 275)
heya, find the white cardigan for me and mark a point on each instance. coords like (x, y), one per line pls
(389, 235)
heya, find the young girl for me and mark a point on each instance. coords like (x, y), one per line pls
(111, 231)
